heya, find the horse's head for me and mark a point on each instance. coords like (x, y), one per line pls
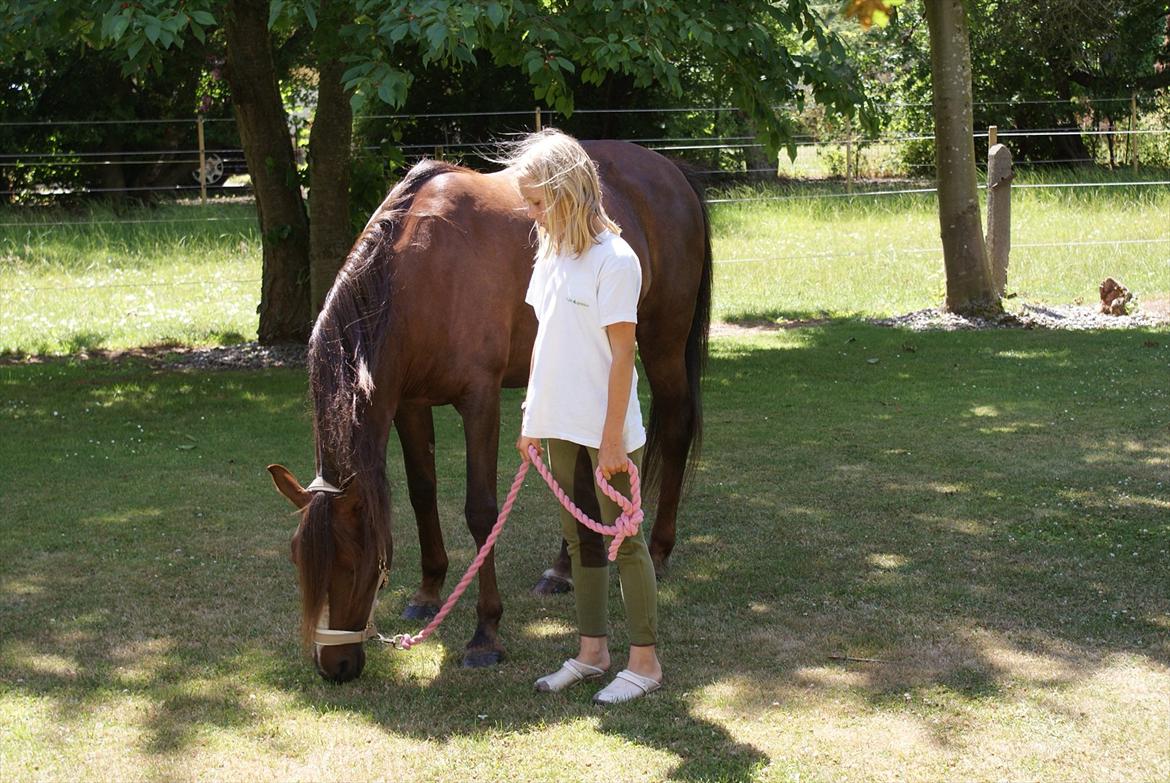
(340, 566)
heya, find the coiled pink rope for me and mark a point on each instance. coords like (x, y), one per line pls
(624, 526)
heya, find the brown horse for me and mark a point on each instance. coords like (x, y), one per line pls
(429, 310)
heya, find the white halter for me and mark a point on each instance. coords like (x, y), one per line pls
(321, 485)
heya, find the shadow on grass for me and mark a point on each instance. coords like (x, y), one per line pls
(912, 535)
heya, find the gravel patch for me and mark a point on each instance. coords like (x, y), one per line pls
(1029, 316)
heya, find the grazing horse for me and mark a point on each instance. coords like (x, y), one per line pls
(429, 310)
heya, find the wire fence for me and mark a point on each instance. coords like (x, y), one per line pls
(742, 148)
(825, 153)
(890, 251)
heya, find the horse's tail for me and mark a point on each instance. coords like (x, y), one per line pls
(695, 357)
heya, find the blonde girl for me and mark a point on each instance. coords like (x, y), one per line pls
(582, 397)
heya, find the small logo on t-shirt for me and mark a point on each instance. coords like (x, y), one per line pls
(577, 302)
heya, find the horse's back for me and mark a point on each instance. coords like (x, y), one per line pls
(463, 260)
(662, 218)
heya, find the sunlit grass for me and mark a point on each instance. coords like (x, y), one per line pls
(881, 255)
(72, 281)
(981, 515)
(186, 274)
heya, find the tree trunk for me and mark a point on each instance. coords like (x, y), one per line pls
(285, 314)
(970, 285)
(329, 155)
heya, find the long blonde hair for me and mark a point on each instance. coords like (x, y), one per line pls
(555, 164)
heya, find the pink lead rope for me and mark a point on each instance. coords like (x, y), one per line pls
(624, 526)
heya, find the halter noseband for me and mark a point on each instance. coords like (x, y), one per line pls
(323, 635)
(321, 485)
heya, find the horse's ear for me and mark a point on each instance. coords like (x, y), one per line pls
(287, 485)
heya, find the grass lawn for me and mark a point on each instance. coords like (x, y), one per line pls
(184, 274)
(986, 514)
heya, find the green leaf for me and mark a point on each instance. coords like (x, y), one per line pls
(495, 14)
(152, 29)
(399, 32)
(437, 36)
(118, 27)
(135, 47)
(311, 13)
(274, 12)
(197, 31)
(357, 71)
(203, 17)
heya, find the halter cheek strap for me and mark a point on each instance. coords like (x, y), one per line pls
(321, 485)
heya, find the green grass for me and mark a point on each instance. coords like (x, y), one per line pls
(103, 281)
(99, 278)
(988, 513)
(881, 255)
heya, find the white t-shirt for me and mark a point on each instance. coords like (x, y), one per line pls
(575, 298)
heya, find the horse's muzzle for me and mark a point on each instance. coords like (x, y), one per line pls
(341, 663)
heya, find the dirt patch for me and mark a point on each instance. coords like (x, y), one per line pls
(245, 356)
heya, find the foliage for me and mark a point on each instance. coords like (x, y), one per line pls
(1077, 68)
(767, 55)
(870, 12)
(52, 97)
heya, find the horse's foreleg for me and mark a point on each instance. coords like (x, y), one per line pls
(416, 431)
(481, 426)
(676, 430)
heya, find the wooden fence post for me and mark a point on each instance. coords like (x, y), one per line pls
(999, 213)
(849, 156)
(992, 137)
(202, 163)
(538, 118)
(1130, 144)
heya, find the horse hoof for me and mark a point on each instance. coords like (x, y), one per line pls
(552, 583)
(478, 659)
(659, 567)
(415, 611)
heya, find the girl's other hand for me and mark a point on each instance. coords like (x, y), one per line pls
(522, 444)
(612, 459)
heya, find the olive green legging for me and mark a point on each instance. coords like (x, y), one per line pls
(573, 467)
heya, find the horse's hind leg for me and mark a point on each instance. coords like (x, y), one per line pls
(416, 431)
(674, 412)
(557, 578)
(481, 425)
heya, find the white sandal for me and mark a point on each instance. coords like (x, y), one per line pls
(626, 686)
(572, 671)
